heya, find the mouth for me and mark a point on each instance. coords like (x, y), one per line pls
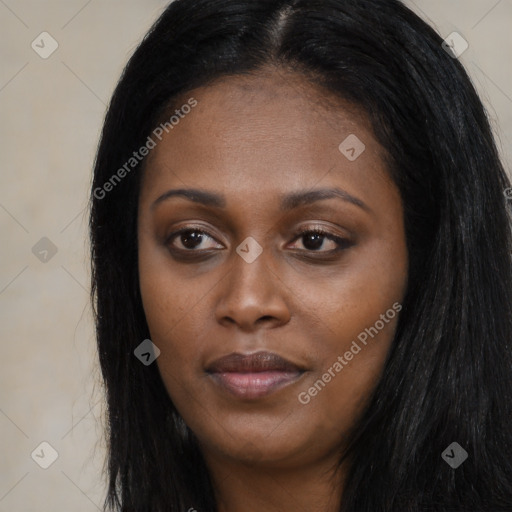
(255, 375)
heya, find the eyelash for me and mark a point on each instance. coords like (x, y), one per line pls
(343, 243)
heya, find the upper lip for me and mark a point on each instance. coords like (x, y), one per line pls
(257, 362)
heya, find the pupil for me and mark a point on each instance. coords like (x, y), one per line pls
(316, 239)
(191, 236)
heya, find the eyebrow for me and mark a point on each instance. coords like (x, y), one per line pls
(288, 201)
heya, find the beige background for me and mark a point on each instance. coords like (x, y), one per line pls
(51, 112)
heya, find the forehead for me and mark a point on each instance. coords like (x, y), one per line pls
(262, 131)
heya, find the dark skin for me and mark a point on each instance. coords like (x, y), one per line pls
(252, 140)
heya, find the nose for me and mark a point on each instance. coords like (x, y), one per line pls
(252, 296)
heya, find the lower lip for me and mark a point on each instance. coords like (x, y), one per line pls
(255, 385)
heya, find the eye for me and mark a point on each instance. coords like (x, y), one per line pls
(313, 239)
(195, 240)
(190, 239)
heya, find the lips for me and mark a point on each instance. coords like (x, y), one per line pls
(252, 363)
(254, 375)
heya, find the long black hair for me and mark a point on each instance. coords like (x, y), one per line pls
(447, 377)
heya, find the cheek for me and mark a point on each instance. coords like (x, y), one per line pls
(358, 311)
(169, 310)
(350, 363)
(169, 297)
(168, 304)
(174, 334)
(359, 303)
(354, 296)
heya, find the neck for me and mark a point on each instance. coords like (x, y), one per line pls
(249, 487)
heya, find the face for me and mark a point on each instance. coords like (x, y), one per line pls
(272, 282)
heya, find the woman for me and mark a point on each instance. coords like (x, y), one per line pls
(301, 266)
